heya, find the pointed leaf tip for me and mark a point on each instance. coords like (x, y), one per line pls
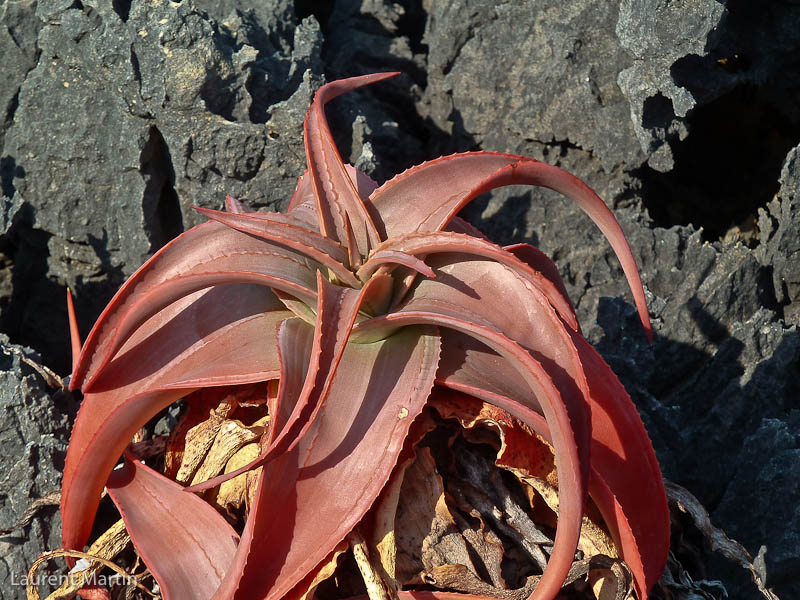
(232, 205)
(74, 334)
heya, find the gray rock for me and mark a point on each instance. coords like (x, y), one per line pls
(128, 119)
(658, 34)
(173, 104)
(19, 29)
(767, 487)
(374, 127)
(503, 76)
(779, 246)
(34, 426)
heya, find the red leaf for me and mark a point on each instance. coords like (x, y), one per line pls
(218, 337)
(206, 255)
(428, 196)
(278, 228)
(336, 195)
(184, 541)
(569, 439)
(337, 308)
(437, 242)
(345, 458)
(626, 479)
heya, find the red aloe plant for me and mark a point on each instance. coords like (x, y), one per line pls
(358, 300)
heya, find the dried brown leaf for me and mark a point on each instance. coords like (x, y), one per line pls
(32, 591)
(459, 578)
(425, 532)
(730, 549)
(532, 460)
(237, 493)
(383, 530)
(200, 437)
(377, 588)
(326, 571)
(145, 449)
(107, 547)
(49, 376)
(231, 435)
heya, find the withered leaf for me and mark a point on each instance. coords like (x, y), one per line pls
(230, 436)
(306, 589)
(238, 492)
(532, 460)
(190, 450)
(461, 579)
(425, 532)
(107, 546)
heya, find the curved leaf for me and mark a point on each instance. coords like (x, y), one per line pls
(303, 203)
(223, 336)
(337, 308)
(625, 480)
(389, 255)
(74, 334)
(203, 251)
(161, 519)
(545, 267)
(278, 228)
(426, 197)
(470, 290)
(620, 447)
(296, 341)
(336, 196)
(624, 462)
(232, 205)
(404, 204)
(436, 242)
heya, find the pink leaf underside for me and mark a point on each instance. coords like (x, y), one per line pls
(222, 336)
(570, 452)
(428, 196)
(345, 458)
(336, 197)
(184, 541)
(625, 480)
(206, 255)
(436, 242)
(281, 229)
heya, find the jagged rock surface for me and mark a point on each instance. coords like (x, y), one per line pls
(117, 117)
(128, 119)
(35, 422)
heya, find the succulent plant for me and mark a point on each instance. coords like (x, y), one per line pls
(359, 301)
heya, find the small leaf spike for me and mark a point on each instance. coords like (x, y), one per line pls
(74, 334)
